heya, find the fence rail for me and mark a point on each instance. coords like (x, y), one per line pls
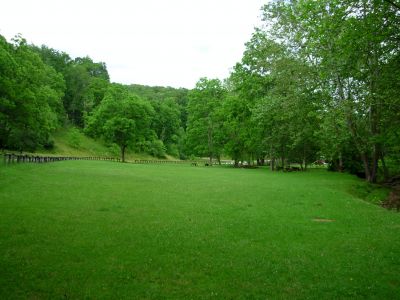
(152, 161)
(19, 158)
(10, 158)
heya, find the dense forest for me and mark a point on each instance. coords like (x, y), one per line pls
(320, 80)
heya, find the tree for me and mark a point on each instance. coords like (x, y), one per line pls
(204, 122)
(121, 118)
(120, 130)
(87, 83)
(276, 106)
(30, 97)
(351, 45)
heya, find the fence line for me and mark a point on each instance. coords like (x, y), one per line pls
(19, 158)
(152, 161)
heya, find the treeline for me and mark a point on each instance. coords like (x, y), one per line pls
(319, 81)
(42, 89)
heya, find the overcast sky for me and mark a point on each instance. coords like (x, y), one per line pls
(151, 42)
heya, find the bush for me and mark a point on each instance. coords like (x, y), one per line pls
(49, 145)
(172, 149)
(114, 150)
(74, 138)
(157, 149)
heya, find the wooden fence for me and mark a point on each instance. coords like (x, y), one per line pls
(19, 158)
(10, 158)
(152, 161)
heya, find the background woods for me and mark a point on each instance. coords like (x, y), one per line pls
(319, 80)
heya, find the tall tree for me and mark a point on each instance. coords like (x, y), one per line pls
(204, 125)
(350, 44)
(30, 97)
(121, 118)
(87, 83)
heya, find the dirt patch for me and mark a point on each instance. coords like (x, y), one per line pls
(393, 200)
(323, 220)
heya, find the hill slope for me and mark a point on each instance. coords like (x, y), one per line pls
(69, 141)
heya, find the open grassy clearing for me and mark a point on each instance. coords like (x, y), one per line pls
(79, 229)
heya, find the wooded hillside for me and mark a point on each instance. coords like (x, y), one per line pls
(319, 81)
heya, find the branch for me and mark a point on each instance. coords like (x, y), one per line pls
(396, 5)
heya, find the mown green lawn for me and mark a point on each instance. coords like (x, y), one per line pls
(102, 230)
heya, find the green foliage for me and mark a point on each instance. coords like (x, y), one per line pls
(157, 148)
(157, 95)
(86, 82)
(74, 138)
(30, 97)
(121, 118)
(351, 46)
(318, 80)
(119, 130)
(204, 124)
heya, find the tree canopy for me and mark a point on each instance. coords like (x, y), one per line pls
(318, 81)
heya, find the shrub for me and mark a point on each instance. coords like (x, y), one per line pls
(157, 148)
(74, 138)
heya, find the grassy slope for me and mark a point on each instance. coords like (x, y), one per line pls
(107, 230)
(71, 142)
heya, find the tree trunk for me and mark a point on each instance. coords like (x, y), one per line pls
(162, 135)
(385, 169)
(374, 167)
(210, 141)
(340, 167)
(272, 164)
(364, 159)
(374, 109)
(304, 157)
(123, 153)
(358, 142)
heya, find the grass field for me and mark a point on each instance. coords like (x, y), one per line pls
(101, 230)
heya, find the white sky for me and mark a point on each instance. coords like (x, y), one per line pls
(151, 42)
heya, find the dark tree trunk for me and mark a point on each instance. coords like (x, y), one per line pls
(272, 164)
(385, 169)
(374, 167)
(304, 157)
(210, 142)
(340, 167)
(364, 159)
(123, 153)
